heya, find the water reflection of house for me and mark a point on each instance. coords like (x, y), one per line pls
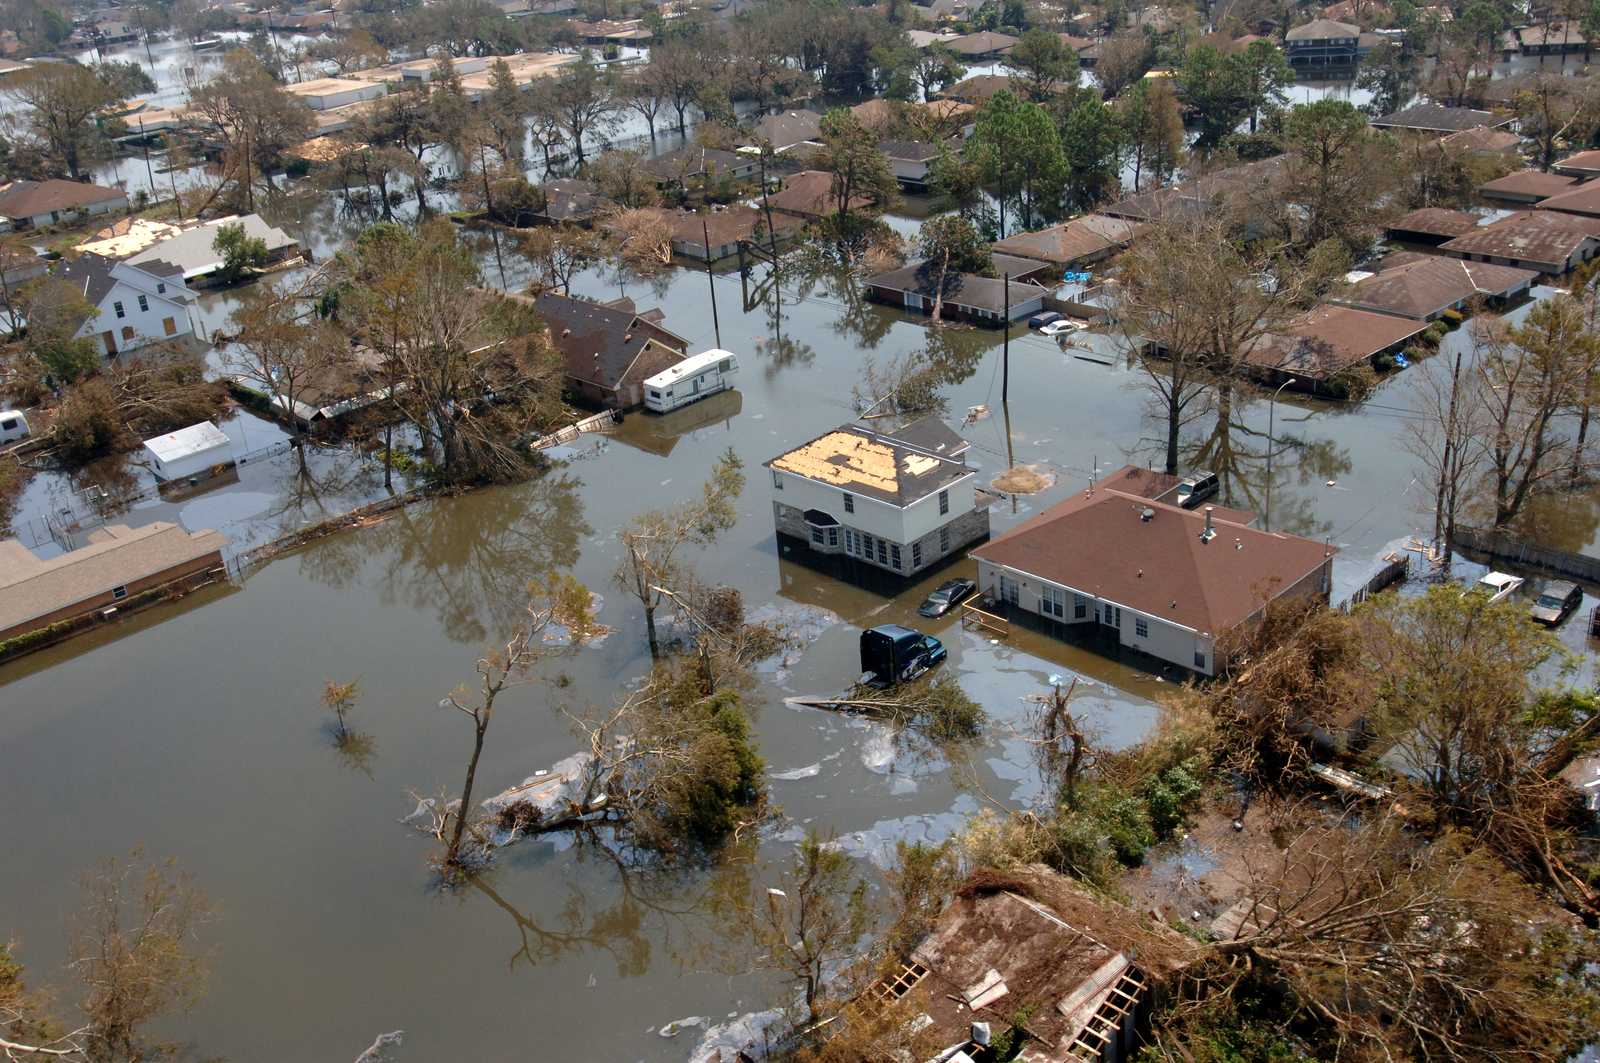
(118, 565)
(1156, 578)
(898, 502)
(1082, 969)
(659, 434)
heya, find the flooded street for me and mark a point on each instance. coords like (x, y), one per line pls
(194, 729)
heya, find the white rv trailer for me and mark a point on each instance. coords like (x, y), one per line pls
(692, 379)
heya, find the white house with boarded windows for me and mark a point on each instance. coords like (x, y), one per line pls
(901, 502)
(134, 305)
(1156, 578)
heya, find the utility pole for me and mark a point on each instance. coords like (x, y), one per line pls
(710, 282)
(1005, 344)
(1272, 409)
(149, 174)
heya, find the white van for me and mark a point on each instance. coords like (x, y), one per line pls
(696, 377)
(13, 426)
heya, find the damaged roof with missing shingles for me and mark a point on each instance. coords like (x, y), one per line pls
(881, 467)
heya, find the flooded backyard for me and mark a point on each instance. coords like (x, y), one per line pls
(194, 729)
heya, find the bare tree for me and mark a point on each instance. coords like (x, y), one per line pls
(284, 348)
(1448, 440)
(559, 608)
(652, 543)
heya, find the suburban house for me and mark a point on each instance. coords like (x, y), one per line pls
(1073, 244)
(1483, 141)
(1552, 38)
(788, 130)
(118, 564)
(1583, 200)
(1323, 42)
(809, 194)
(33, 204)
(910, 160)
(1581, 164)
(900, 502)
(1423, 287)
(324, 94)
(985, 44)
(933, 118)
(1543, 240)
(981, 299)
(1199, 194)
(1527, 186)
(134, 305)
(693, 162)
(1162, 580)
(725, 229)
(611, 31)
(609, 348)
(570, 199)
(1432, 225)
(1324, 342)
(193, 250)
(979, 89)
(1083, 968)
(1433, 118)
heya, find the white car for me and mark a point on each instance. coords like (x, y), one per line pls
(1062, 327)
(1498, 585)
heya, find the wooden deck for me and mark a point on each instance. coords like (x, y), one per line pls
(973, 618)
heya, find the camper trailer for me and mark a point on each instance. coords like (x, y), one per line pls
(691, 380)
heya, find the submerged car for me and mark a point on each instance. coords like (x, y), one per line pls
(946, 597)
(1062, 327)
(1498, 585)
(1556, 602)
(1040, 320)
(894, 654)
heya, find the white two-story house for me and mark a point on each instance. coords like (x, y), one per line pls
(134, 305)
(901, 502)
(1150, 576)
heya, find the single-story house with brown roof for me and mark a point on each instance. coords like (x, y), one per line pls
(1432, 225)
(694, 162)
(1583, 199)
(1422, 287)
(967, 295)
(1324, 342)
(31, 204)
(1527, 186)
(1543, 240)
(1080, 242)
(809, 194)
(1481, 140)
(979, 89)
(117, 564)
(1580, 164)
(985, 44)
(609, 348)
(1152, 577)
(1432, 118)
(725, 229)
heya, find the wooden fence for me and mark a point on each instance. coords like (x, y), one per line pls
(1506, 547)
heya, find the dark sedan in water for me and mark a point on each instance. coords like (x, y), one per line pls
(949, 595)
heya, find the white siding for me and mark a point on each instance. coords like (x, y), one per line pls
(880, 519)
(148, 325)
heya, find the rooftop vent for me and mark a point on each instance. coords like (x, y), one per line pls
(1146, 515)
(1210, 532)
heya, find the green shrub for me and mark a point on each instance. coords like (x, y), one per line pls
(1169, 797)
(1353, 384)
(1435, 332)
(1452, 318)
(1383, 362)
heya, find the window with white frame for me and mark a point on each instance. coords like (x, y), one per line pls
(883, 552)
(894, 555)
(117, 306)
(144, 305)
(833, 536)
(1141, 627)
(1080, 607)
(916, 555)
(944, 540)
(1053, 602)
(777, 480)
(849, 502)
(944, 502)
(1200, 660)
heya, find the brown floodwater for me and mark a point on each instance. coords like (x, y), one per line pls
(194, 730)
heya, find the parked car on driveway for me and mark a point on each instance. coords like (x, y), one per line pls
(1040, 320)
(947, 596)
(1062, 327)
(1556, 602)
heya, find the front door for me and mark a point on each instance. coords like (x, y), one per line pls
(109, 341)
(1008, 590)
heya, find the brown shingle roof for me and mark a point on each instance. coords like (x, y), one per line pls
(1431, 116)
(1323, 29)
(29, 199)
(724, 227)
(1425, 285)
(1435, 221)
(809, 193)
(1584, 199)
(115, 556)
(960, 289)
(598, 342)
(1531, 184)
(1066, 243)
(1541, 238)
(1328, 338)
(1584, 163)
(1096, 543)
(1482, 138)
(984, 42)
